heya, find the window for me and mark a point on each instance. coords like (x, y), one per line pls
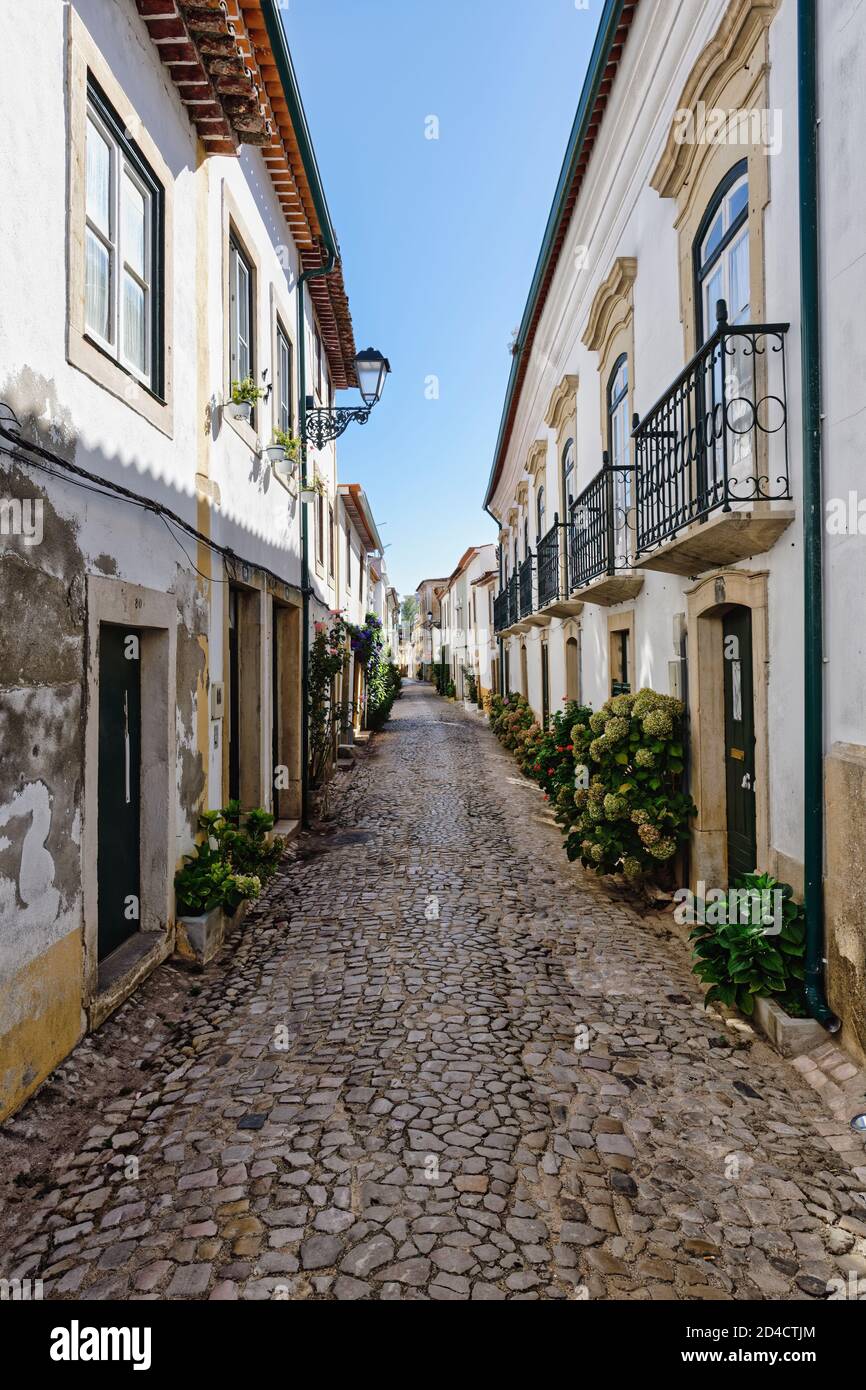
(348, 557)
(241, 364)
(525, 536)
(331, 540)
(568, 473)
(320, 528)
(618, 450)
(318, 338)
(123, 259)
(539, 515)
(620, 678)
(722, 253)
(284, 397)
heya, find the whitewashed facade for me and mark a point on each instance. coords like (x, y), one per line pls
(646, 547)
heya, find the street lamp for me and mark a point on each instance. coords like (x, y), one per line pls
(326, 423)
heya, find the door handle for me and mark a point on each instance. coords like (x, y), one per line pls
(747, 782)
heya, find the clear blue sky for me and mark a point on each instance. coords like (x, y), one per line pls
(439, 237)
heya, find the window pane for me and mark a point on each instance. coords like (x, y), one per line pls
(714, 290)
(713, 237)
(97, 283)
(134, 326)
(98, 179)
(284, 398)
(738, 199)
(739, 280)
(133, 227)
(243, 319)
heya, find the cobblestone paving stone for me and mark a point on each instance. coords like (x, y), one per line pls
(380, 1097)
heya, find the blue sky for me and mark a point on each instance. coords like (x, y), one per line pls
(439, 237)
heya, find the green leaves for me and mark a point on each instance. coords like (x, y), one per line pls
(742, 954)
(231, 863)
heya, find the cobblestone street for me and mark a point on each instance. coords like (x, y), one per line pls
(377, 1094)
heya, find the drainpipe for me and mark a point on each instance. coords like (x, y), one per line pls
(499, 643)
(288, 80)
(306, 590)
(813, 516)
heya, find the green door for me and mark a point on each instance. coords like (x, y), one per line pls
(118, 854)
(739, 742)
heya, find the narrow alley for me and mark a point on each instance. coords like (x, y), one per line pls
(440, 1062)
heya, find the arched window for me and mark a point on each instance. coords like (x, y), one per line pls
(617, 413)
(618, 439)
(525, 536)
(722, 253)
(568, 473)
(539, 515)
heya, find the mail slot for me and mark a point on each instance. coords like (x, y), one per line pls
(738, 754)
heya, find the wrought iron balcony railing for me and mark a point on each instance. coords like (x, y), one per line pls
(500, 611)
(525, 573)
(598, 535)
(547, 562)
(513, 601)
(706, 443)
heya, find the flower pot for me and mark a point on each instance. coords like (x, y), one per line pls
(275, 454)
(240, 410)
(199, 938)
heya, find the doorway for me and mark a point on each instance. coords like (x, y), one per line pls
(118, 867)
(739, 742)
(234, 696)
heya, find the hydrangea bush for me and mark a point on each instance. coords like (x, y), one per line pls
(627, 812)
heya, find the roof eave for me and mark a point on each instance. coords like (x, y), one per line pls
(560, 212)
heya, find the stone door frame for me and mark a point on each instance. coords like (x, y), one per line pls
(708, 602)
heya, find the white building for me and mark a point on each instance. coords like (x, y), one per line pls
(162, 208)
(656, 480)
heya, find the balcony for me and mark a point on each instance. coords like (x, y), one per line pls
(600, 549)
(554, 599)
(500, 612)
(711, 457)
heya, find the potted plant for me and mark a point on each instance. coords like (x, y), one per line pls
(283, 447)
(244, 396)
(315, 487)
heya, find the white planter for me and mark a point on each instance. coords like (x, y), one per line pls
(275, 454)
(240, 410)
(789, 1036)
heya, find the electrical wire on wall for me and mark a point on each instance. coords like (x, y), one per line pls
(72, 473)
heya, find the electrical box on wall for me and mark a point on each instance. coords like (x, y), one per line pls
(675, 679)
(215, 764)
(217, 698)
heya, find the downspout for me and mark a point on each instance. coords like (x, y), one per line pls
(813, 516)
(288, 80)
(502, 690)
(306, 590)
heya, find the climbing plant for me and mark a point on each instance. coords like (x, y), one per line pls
(329, 657)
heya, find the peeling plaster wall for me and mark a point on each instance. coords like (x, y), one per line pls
(191, 454)
(43, 657)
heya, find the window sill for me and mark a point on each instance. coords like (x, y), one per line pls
(242, 430)
(90, 359)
